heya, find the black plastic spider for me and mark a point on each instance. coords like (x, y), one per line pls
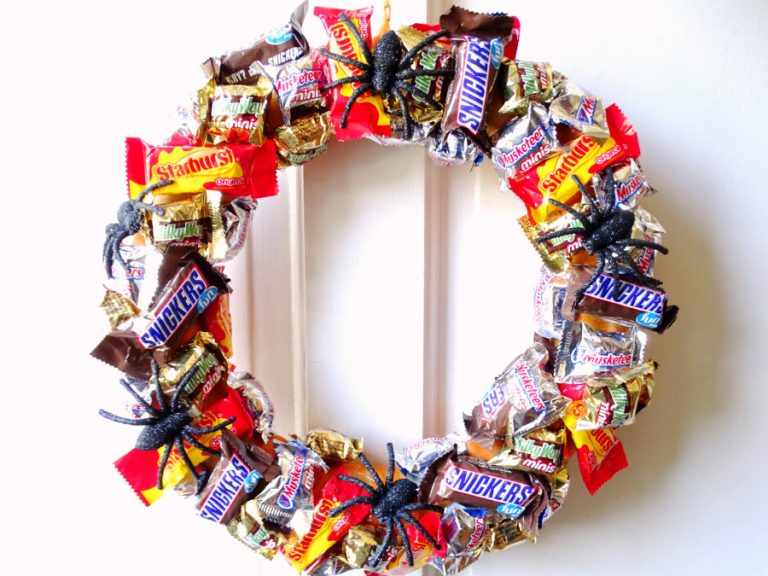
(606, 233)
(168, 426)
(128, 223)
(391, 503)
(385, 71)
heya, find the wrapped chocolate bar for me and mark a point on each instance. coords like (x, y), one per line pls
(525, 142)
(539, 452)
(235, 479)
(303, 139)
(287, 500)
(249, 529)
(579, 109)
(260, 406)
(614, 399)
(416, 459)
(548, 298)
(522, 398)
(585, 350)
(630, 182)
(274, 48)
(465, 530)
(453, 149)
(526, 82)
(184, 223)
(231, 218)
(333, 446)
(232, 114)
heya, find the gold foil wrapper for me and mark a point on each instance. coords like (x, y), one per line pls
(332, 445)
(540, 452)
(249, 529)
(185, 222)
(117, 308)
(359, 544)
(526, 82)
(204, 353)
(234, 113)
(503, 535)
(303, 139)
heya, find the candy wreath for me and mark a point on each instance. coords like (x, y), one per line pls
(456, 88)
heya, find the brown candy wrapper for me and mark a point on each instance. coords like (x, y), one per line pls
(232, 114)
(184, 223)
(275, 48)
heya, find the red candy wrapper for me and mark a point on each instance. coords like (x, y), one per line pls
(235, 169)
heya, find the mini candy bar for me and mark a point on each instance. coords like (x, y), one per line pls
(184, 223)
(539, 452)
(477, 62)
(234, 479)
(453, 149)
(359, 544)
(525, 82)
(288, 500)
(275, 48)
(257, 400)
(117, 308)
(522, 398)
(395, 561)
(248, 529)
(614, 399)
(600, 453)
(298, 86)
(415, 460)
(367, 117)
(548, 298)
(234, 169)
(465, 530)
(325, 531)
(585, 350)
(303, 139)
(181, 301)
(332, 445)
(579, 109)
(526, 142)
(232, 114)
(475, 483)
(553, 178)
(646, 307)
(631, 184)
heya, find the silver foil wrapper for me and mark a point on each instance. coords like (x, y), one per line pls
(578, 108)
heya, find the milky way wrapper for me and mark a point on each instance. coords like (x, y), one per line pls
(332, 445)
(539, 452)
(526, 82)
(277, 47)
(303, 139)
(184, 223)
(646, 307)
(522, 398)
(235, 479)
(475, 483)
(232, 114)
(614, 399)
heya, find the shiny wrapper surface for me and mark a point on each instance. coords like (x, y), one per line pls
(249, 529)
(581, 110)
(211, 368)
(465, 530)
(631, 184)
(540, 452)
(184, 223)
(453, 149)
(259, 404)
(614, 399)
(416, 459)
(359, 544)
(117, 308)
(302, 140)
(526, 82)
(525, 142)
(548, 298)
(232, 114)
(329, 444)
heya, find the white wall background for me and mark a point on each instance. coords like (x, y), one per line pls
(692, 76)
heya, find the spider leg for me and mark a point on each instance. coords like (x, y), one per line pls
(344, 60)
(638, 274)
(418, 92)
(412, 507)
(347, 80)
(404, 108)
(129, 421)
(611, 190)
(416, 524)
(390, 463)
(379, 552)
(595, 275)
(413, 52)
(116, 241)
(144, 404)
(158, 391)
(356, 33)
(403, 74)
(358, 482)
(349, 503)
(578, 215)
(404, 536)
(151, 207)
(586, 195)
(181, 385)
(152, 188)
(209, 429)
(195, 442)
(371, 471)
(560, 233)
(200, 478)
(163, 463)
(644, 244)
(614, 265)
(353, 97)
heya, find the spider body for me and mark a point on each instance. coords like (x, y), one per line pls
(129, 219)
(386, 71)
(168, 426)
(607, 234)
(391, 504)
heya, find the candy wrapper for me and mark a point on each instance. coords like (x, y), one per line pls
(259, 405)
(548, 298)
(579, 109)
(416, 459)
(453, 149)
(333, 446)
(465, 531)
(522, 398)
(232, 114)
(524, 83)
(540, 452)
